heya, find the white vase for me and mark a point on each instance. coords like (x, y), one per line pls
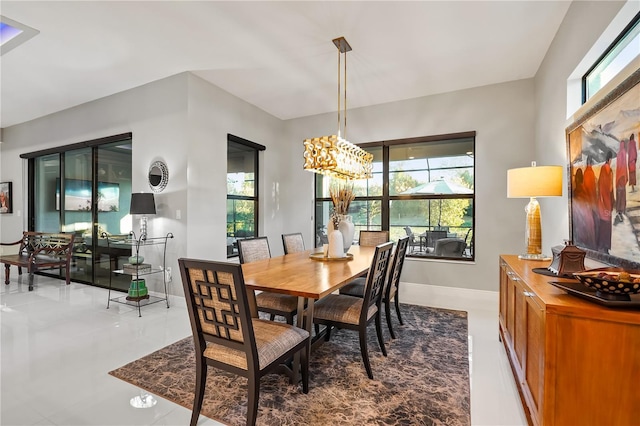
(347, 229)
(336, 244)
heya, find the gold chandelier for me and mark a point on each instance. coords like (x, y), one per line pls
(333, 155)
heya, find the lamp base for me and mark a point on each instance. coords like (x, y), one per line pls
(533, 256)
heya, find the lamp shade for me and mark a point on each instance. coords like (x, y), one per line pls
(526, 182)
(142, 203)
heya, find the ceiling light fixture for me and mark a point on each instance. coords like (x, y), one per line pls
(333, 155)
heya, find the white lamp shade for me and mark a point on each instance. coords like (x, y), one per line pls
(542, 181)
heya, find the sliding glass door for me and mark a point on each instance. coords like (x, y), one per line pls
(85, 190)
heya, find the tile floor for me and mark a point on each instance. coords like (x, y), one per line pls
(59, 342)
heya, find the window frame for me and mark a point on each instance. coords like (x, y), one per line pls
(385, 198)
(256, 197)
(634, 24)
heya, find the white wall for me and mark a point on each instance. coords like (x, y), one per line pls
(502, 115)
(582, 26)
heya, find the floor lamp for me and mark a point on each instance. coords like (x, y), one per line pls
(144, 204)
(532, 182)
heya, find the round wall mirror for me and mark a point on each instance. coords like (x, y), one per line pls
(158, 176)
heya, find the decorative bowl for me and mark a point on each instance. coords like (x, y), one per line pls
(135, 260)
(611, 283)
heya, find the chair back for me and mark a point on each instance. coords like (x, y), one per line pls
(396, 268)
(376, 279)
(373, 238)
(216, 299)
(293, 243)
(253, 249)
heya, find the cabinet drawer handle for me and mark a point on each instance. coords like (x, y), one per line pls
(528, 293)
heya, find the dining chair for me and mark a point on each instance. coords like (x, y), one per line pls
(413, 243)
(391, 292)
(227, 338)
(293, 243)
(356, 313)
(373, 238)
(253, 249)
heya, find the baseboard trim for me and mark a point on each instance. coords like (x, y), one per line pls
(448, 297)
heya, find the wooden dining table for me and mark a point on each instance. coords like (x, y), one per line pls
(296, 274)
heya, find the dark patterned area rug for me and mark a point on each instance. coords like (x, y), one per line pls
(423, 381)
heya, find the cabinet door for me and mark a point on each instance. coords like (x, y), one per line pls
(503, 293)
(534, 357)
(511, 305)
(520, 315)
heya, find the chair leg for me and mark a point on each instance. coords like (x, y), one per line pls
(379, 333)
(387, 312)
(254, 395)
(364, 352)
(397, 303)
(327, 336)
(201, 380)
(305, 370)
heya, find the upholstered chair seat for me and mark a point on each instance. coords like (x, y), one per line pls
(340, 308)
(273, 339)
(354, 288)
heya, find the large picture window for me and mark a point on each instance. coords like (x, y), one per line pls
(242, 191)
(422, 188)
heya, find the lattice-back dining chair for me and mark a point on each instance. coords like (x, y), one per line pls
(373, 238)
(356, 313)
(226, 337)
(293, 243)
(253, 249)
(356, 287)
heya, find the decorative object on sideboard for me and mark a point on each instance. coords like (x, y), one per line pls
(332, 155)
(144, 204)
(158, 176)
(567, 260)
(532, 182)
(611, 283)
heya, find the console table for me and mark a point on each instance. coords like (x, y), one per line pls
(574, 362)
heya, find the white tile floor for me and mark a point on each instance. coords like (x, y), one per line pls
(59, 342)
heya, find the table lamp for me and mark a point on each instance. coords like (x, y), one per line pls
(144, 204)
(532, 182)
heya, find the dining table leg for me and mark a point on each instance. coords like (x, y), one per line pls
(304, 320)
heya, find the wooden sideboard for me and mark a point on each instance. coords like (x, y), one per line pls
(575, 362)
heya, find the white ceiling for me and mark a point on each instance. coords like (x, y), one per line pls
(275, 55)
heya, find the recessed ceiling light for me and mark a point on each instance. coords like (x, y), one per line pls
(13, 34)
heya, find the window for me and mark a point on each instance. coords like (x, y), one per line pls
(621, 52)
(421, 187)
(242, 191)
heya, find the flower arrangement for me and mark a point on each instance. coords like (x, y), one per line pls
(341, 196)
